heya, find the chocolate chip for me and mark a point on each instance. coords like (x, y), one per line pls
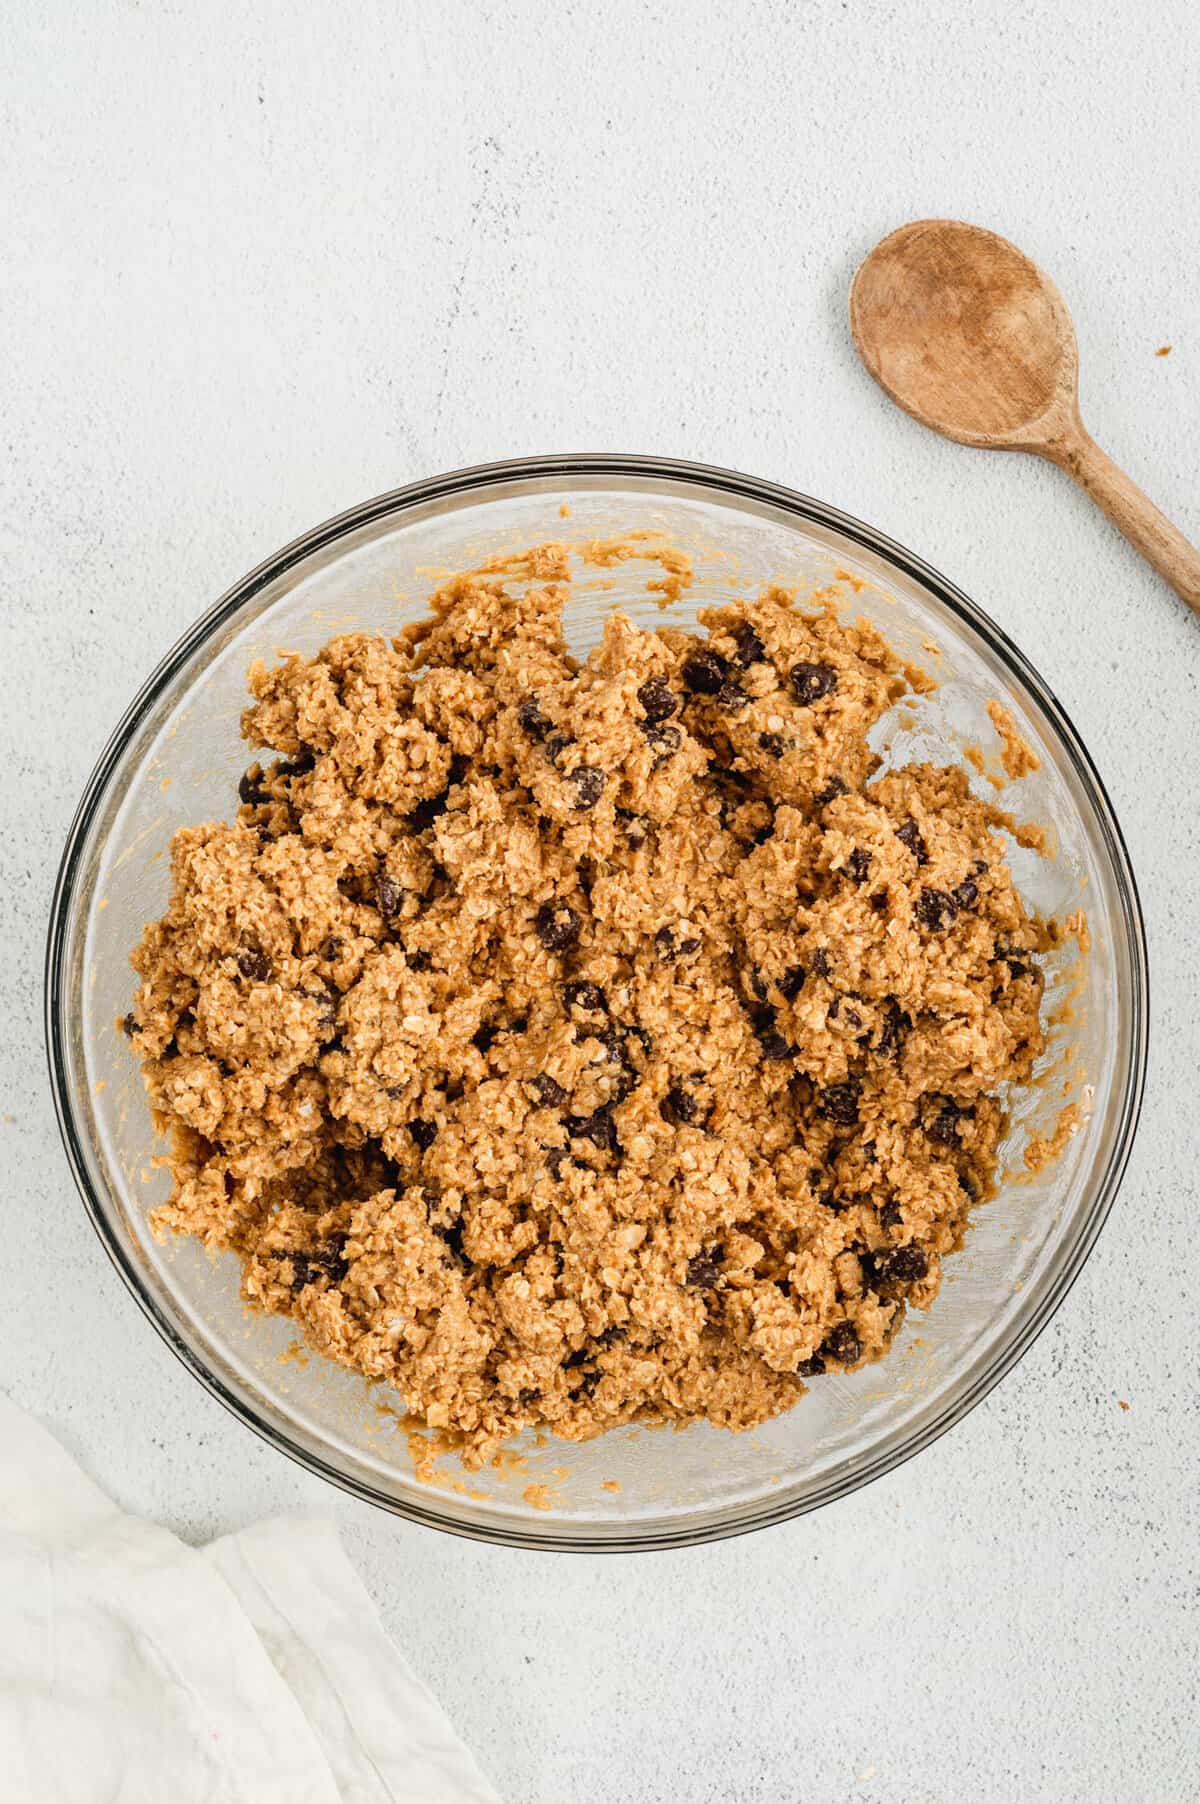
(771, 744)
(843, 1344)
(832, 790)
(327, 1006)
(250, 787)
(891, 1215)
(839, 1102)
(599, 1128)
(255, 965)
(584, 995)
(557, 926)
(679, 1105)
(750, 648)
(550, 1095)
(910, 835)
(813, 1367)
(792, 982)
(1017, 967)
(878, 901)
(812, 681)
(666, 740)
(703, 1272)
(903, 1265)
(704, 672)
(556, 745)
(328, 1259)
(423, 1132)
(895, 1023)
(589, 784)
(658, 702)
(820, 962)
(387, 895)
(944, 1126)
(732, 697)
(531, 720)
(129, 1025)
(935, 910)
(668, 947)
(966, 895)
(554, 1161)
(858, 864)
(771, 1042)
(620, 1086)
(300, 765)
(303, 1272)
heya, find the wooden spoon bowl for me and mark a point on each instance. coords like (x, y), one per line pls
(972, 339)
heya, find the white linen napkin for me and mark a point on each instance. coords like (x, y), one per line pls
(137, 1670)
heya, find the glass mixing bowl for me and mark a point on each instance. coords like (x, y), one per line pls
(175, 758)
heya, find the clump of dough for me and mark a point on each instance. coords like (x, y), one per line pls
(573, 1044)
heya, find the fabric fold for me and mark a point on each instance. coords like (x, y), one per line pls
(134, 1668)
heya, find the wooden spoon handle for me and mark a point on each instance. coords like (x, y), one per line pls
(1131, 512)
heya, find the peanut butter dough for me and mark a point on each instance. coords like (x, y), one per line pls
(568, 1044)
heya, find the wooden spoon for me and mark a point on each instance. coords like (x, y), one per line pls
(969, 337)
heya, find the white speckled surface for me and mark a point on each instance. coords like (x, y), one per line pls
(261, 261)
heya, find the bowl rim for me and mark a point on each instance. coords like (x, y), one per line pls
(723, 482)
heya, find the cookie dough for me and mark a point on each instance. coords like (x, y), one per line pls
(567, 1044)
